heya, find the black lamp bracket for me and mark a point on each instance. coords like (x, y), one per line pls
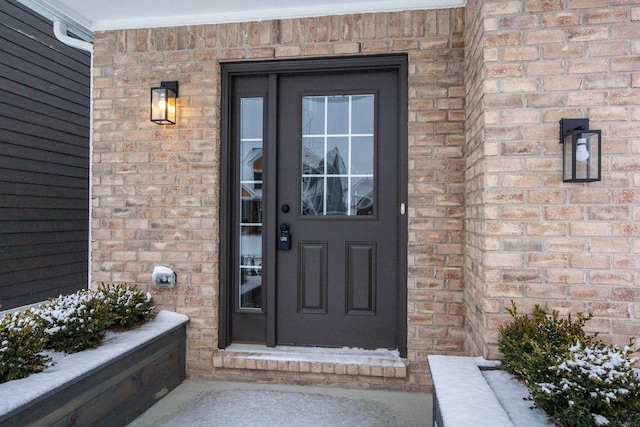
(171, 85)
(568, 125)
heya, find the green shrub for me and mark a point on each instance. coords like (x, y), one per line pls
(75, 322)
(21, 344)
(592, 385)
(126, 305)
(577, 380)
(530, 344)
(69, 324)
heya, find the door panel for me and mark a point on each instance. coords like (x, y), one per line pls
(338, 164)
(361, 278)
(312, 277)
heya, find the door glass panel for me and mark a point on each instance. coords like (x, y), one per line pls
(337, 155)
(362, 155)
(312, 195)
(313, 156)
(251, 148)
(362, 112)
(338, 114)
(362, 195)
(336, 196)
(252, 112)
(313, 113)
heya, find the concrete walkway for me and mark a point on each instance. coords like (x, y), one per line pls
(212, 403)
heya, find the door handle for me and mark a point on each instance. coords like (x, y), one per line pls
(284, 238)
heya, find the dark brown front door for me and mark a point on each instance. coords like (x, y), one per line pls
(337, 195)
(316, 205)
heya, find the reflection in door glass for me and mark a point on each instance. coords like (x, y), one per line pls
(251, 147)
(337, 155)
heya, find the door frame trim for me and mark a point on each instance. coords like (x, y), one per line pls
(229, 70)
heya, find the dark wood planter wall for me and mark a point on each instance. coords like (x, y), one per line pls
(116, 391)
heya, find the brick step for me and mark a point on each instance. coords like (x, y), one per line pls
(341, 361)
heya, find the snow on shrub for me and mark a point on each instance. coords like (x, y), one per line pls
(591, 385)
(75, 322)
(127, 306)
(69, 324)
(577, 380)
(21, 344)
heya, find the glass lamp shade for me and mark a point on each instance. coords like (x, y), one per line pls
(163, 105)
(581, 156)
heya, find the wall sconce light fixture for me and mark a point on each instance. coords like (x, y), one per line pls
(581, 150)
(163, 103)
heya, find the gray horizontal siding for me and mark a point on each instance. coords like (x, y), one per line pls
(44, 160)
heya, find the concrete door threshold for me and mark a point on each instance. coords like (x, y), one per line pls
(345, 361)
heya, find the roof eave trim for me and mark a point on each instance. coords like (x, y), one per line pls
(271, 14)
(72, 22)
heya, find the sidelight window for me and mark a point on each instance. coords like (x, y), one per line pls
(251, 160)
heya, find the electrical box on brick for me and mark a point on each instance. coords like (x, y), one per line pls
(164, 277)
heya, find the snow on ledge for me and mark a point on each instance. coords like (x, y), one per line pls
(464, 397)
(16, 393)
(344, 355)
(514, 398)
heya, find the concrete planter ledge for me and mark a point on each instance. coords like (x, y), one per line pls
(461, 396)
(109, 385)
(470, 391)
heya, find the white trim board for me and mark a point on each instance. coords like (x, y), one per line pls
(91, 16)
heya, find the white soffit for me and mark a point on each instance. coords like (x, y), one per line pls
(98, 15)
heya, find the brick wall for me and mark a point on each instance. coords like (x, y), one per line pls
(509, 229)
(530, 237)
(475, 241)
(155, 189)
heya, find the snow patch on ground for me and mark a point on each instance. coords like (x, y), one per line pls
(16, 393)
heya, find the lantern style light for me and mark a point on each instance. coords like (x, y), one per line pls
(581, 151)
(163, 103)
